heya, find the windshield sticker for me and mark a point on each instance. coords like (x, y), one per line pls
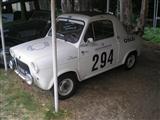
(38, 46)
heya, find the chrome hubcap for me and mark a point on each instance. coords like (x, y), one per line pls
(65, 87)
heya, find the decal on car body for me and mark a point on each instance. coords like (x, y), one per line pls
(38, 46)
(71, 57)
(103, 60)
(103, 47)
(126, 40)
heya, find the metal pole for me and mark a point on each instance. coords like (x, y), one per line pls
(2, 37)
(54, 52)
(121, 10)
(154, 17)
(108, 6)
(156, 13)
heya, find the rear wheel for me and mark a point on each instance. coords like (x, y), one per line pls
(130, 61)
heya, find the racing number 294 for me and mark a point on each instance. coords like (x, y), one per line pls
(103, 60)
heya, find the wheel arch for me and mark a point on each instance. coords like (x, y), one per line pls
(128, 53)
(73, 72)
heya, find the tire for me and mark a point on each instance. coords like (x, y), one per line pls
(67, 85)
(130, 61)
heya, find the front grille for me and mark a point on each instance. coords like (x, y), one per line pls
(22, 67)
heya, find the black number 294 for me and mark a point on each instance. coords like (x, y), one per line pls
(103, 60)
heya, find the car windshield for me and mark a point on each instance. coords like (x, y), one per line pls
(68, 30)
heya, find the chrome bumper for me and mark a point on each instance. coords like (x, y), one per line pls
(27, 77)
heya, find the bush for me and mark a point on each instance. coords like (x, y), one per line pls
(151, 34)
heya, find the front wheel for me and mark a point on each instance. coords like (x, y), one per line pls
(67, 85)
(130, 61)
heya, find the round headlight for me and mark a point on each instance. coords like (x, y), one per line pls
(34, 67)
(29, 79)
(12, 64)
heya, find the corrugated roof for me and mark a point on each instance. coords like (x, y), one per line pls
(14, 1)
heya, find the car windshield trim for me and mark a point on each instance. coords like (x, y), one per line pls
(68, 30)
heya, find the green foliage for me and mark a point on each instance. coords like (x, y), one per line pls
(151, 34)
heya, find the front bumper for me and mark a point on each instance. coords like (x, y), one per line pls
(41, 80)
(27, 78)
(19, 68)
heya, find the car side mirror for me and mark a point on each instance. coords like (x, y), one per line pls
(90, 40)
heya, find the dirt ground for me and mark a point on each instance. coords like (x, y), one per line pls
(120, 94)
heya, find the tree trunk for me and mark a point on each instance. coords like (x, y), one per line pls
(66, 6)
(86, 5)
(72, 5)
(44, 4)
(127, 12)
(143, 14)
(76, 5)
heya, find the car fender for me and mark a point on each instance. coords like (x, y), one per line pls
(61, 72)
(125, 57)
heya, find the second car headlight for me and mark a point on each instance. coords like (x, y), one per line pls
(34, 67)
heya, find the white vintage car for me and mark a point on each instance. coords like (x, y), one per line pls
(87, 44)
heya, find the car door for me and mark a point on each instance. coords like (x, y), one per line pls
(99, 52)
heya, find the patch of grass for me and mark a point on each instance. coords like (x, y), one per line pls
(151, 34)
(2, 75)
(50, 115)
(21, 102)
(24, 99)
(15, 102)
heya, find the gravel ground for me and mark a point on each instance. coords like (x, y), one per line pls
(120, 94)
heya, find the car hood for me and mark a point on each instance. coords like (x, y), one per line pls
(41, 49)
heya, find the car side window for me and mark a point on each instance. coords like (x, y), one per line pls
(89, 33)
(103, 29)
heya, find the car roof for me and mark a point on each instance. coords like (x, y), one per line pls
(85, 16)
(90, 14)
